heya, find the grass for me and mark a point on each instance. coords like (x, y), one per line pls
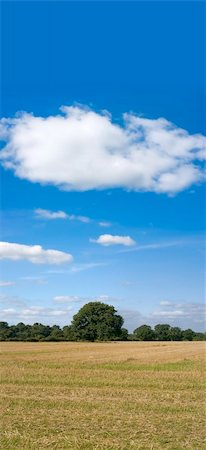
(100, 396)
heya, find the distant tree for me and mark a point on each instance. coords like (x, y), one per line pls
(97, 321)
(162, 332)
(175, 334)
(199, 336)
(21, 332)
(144, 333)
(4, 331)
(56, 334)
(4, 326)
(40, 332)
(124, 335)
(187, 335)
(68, 333)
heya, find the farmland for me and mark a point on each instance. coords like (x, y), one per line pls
(123, 395)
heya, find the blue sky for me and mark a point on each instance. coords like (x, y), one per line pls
(140, 58)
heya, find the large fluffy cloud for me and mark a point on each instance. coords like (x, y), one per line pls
(33, 253)
(81, 150)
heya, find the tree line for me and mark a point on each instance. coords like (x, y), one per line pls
(95, 321)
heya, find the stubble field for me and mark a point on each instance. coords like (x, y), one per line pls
(98, 396)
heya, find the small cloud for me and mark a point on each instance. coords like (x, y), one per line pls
(169, 314)
(109, 239)
(68, 299)
(166, 303)
(53, 215)
(82, 219)
(104, 224)
(86, 266)
(6, 283)
(104, 298)
(50, 215)
(33, 253)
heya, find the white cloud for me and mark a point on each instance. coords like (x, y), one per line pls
(78, 299)
(33, 253)
(169, 314)
(11, 300)
(68, 299)
(82, 219)
(165, 303)
(50, 215)
(194, 312)
(34, 313)
(184, 315)
(105, 224)
(82, 150)
(86, 266)
(6, 283)
(109, 239)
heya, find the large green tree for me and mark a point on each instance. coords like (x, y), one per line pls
(97, 321)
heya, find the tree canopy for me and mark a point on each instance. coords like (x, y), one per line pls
(144, 333)
(97, 321)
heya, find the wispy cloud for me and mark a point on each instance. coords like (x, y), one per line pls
(163, 245)
(12, 301)
(78, 299)
(35, 280)
(46, 214)
(165, 303)
(186, 311)
(54, 215)
(50, 215)
(184, 315)
(86, 266)
(7, 283)
(75, 268)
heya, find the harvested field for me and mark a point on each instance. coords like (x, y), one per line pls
(96, 396)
